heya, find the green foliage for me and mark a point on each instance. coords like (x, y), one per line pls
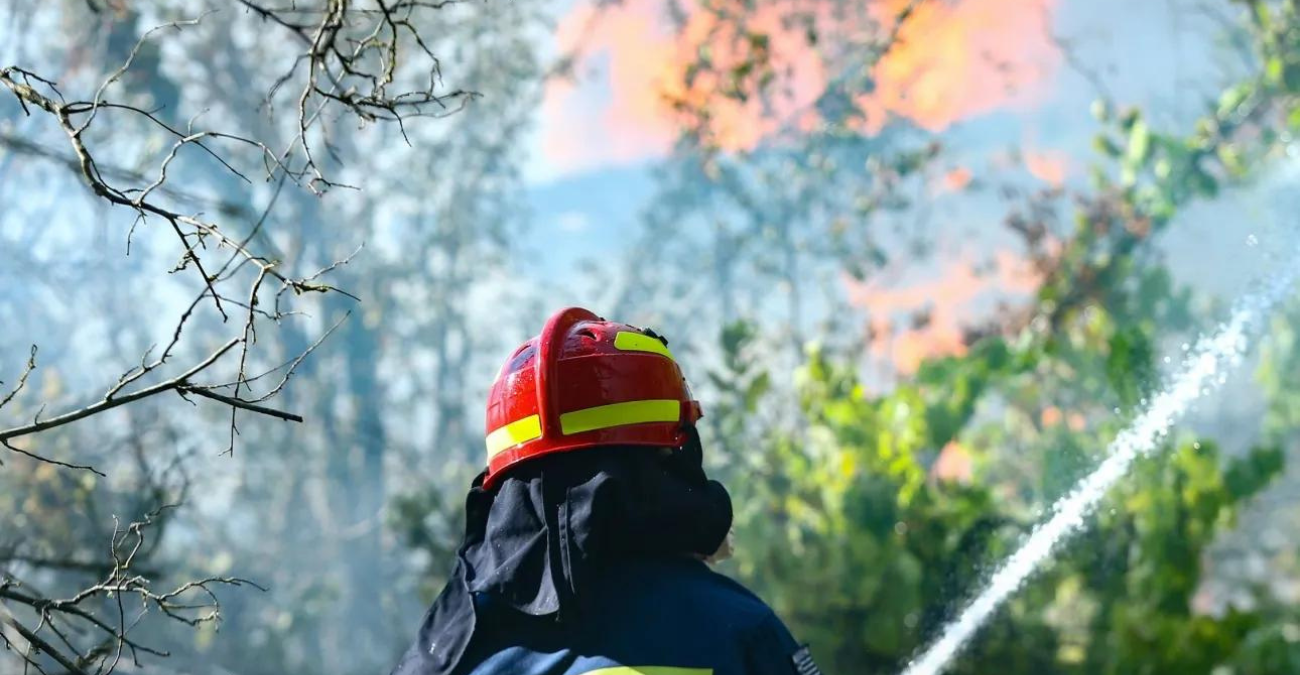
(867, 522)
(1278, 371)
(847, 530)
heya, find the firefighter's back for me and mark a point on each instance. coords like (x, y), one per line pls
(670, 616)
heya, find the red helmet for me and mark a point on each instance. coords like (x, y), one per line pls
(586, 382)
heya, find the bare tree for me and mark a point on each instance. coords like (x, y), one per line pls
(359, 59)
(350, 58)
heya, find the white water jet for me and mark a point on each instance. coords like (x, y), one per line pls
(1204, 367)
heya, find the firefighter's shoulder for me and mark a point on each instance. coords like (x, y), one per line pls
(684, 585)
(686, 607)
(668, 616)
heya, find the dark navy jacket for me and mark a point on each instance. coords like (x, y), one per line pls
(668, 616)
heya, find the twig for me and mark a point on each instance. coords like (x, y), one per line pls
(42, 458)
(351, 60)
(22, 380)
(42, 645)
(110, 403)
(241, 403)
(122, 579)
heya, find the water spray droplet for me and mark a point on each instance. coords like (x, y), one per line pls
(1222, 350)
(1252, 240)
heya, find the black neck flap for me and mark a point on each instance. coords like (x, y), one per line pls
(532, 541)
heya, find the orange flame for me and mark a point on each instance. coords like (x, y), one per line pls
(954, 464)
(583, 127)
(1052, 416)
(1049, 166)
(954, 59)
(946, 298)
(957, 179)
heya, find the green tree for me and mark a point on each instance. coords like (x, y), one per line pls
(845, 526)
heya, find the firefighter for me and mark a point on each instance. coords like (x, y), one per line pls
(586, 536)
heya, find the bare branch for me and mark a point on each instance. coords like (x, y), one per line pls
(41, 458)
(241, 403)
(351, 55)
(42, 645)
(22, 380)
(25, 146)
(351, 60)
(110, 403)
(194, 235)
(293, 366)
(192, 603)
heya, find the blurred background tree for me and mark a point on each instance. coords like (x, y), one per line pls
(874, 519)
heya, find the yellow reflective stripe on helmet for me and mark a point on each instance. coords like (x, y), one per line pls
(620, 414)
(649, 670)
(637, 342)
(514, 433)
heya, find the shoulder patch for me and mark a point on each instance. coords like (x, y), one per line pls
(803, 662)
